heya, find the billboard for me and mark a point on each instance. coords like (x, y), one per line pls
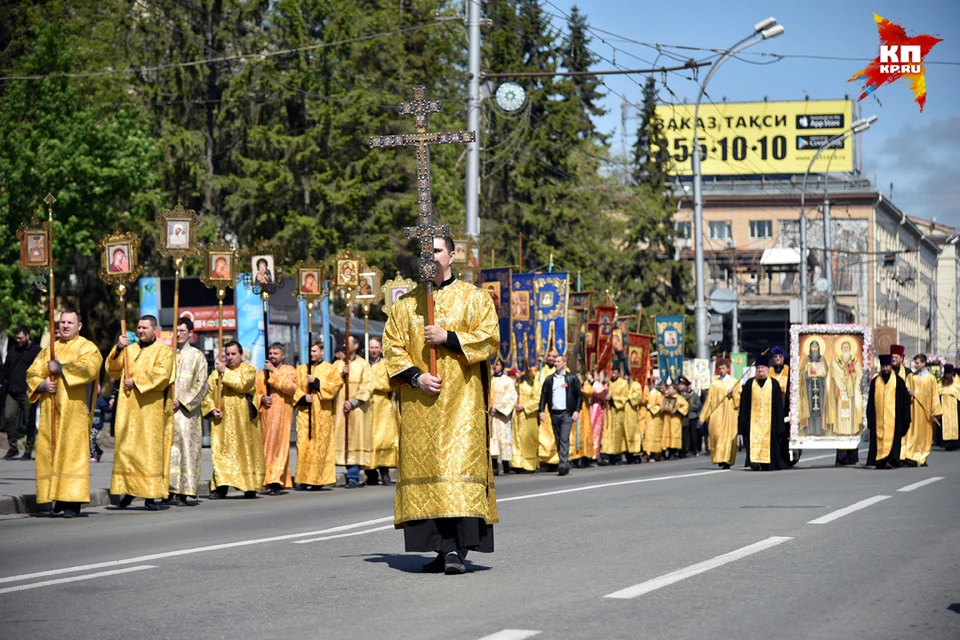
(760, 138)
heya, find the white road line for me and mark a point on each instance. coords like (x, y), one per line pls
(917, 485)
(91, 576)
(829, 455)
(345, 535)
(839, 513)
(701, 567)
(608, 484)
(511, 634)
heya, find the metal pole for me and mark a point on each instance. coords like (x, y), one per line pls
(804, 284)
(828, 262)
(473, 121)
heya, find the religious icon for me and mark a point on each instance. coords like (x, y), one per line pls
(473, 261)
(520, 305)
(346, 273)
(636, 357)
(367, 286)
(606, 322)
(119, 255)
(617, 341)
(589, 339)
(846, 386)
(546, 300)
(309, 281)
(493, 288)
(36, 249)
(178, 234)
(670, 338)
(813, 385)
(398, 292)
(220, 266)
(460, 251)
(670, 404)
(263, 270)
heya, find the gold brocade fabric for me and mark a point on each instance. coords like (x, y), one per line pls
(143, 422)
(631, 422)
(384, 421)
(949, 395)
(846, 390)
(672, 435)
(924, 408)
(721, 413)
(526, 427)
(64, 474)
(581, 434)
(761, 415)
(652, 435)
(236, 445)
(444, 466)
(614, 439)
(185, 452)
(276, 422)
(885, 407)
(361, 440)
(504, 392)
(782, 379)
(316, 459)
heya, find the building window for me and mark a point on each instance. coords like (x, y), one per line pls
(720, 230)
(683, 230)
(761, 228)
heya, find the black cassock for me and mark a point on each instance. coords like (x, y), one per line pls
(778, 431)
(902, 422)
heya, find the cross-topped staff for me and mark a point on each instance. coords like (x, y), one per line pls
(425, 231)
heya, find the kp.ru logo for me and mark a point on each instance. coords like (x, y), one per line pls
(900, 57)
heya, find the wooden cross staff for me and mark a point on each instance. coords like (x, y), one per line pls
(425, 231)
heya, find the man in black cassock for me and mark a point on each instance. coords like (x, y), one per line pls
(762, 435)
(894, 400)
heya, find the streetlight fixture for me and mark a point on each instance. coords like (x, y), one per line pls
(858, 126)
(763, 30)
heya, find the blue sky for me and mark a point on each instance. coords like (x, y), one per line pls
(919, 153)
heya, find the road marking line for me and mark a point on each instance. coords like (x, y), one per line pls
(701, 567)
(608, 484)
(922, 483)
(186, 552)
(345, 535)
(511, 634)
(102, 574)
(839, 513)
(829, 455)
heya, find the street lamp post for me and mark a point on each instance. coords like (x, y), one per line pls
(761, 31)
(856, 127)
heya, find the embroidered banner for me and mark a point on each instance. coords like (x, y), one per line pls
(670, 346)
(551, 305)
(522, 318)
(638, 356)
(496, 282)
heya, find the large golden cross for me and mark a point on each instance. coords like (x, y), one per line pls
(425, 231)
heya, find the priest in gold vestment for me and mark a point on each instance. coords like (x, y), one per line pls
(761, 419)
(144, 417)
(720, 412)
(673, 409)
(632, 427)
(189, 390)
(888, 416)
(503, 390)
(236, 446)
(526, 427)
(445, 499)
(614, 441)
(581, 436)
(950, 405)
(780, 371)
(63, 475)
(351, 418)
(316, 391)
(925, 390)
(382, 415)
(276, 417)
(653, 434)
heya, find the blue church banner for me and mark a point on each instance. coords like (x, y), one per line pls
(522, 314)
(496, 282)
(670, 346)
(551, 305)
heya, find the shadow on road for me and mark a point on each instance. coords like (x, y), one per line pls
(412, 563)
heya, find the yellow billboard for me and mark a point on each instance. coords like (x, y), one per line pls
(759, 138)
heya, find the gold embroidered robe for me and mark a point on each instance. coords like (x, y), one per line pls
(846, 390)
(721, 413)
(143, 422)
(187, 446)
(884, 425)
(360, 447)
(276, 422)
(614, 440)
(581, 434)
(631, 422)
(236, 446)
(445, 470)
(759, 437)
(949, 397)
(526, 427)
(653, 434)
(782, 378)
(64, 474)
(924, 408)
(382, 415)
(316, 459)
(672, 435)
(504, 392)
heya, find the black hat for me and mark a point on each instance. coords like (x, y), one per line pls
(762, 361)
(683, 380)
(886, 361)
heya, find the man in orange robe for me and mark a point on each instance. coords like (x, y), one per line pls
(277, 388)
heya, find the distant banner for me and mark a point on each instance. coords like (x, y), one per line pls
(496, 282)
(149, 301)
(670, 346)
(522, 317)
(638, 356)
(590, 342)
(606, 319)
(250, 333)
(738, 364)
(551, 305)
(701, 374)
(208, 318)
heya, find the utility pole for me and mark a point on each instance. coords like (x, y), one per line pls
(473, 120)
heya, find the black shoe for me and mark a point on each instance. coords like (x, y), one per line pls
(496, 468)
(250, 495)
(219, 493)
(57, 506)
(151, 505)
(352, 485)
(273, 492)
(453, 565)
(11, 453)
(724, 465)
(564, 470)
(125, 501)
(385, 477)
(506, 467)
(26, 456)
(99, 454)
(71, 513)
(434, 566)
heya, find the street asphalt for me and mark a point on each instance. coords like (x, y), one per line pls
(685, 551)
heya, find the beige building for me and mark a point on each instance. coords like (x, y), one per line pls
(888, 268)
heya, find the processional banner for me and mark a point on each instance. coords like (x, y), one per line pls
(496, 282)
(551, 318)
(522, 318)
(670, 346)
(638, 356)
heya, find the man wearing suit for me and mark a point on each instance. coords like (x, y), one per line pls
(561, 395)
